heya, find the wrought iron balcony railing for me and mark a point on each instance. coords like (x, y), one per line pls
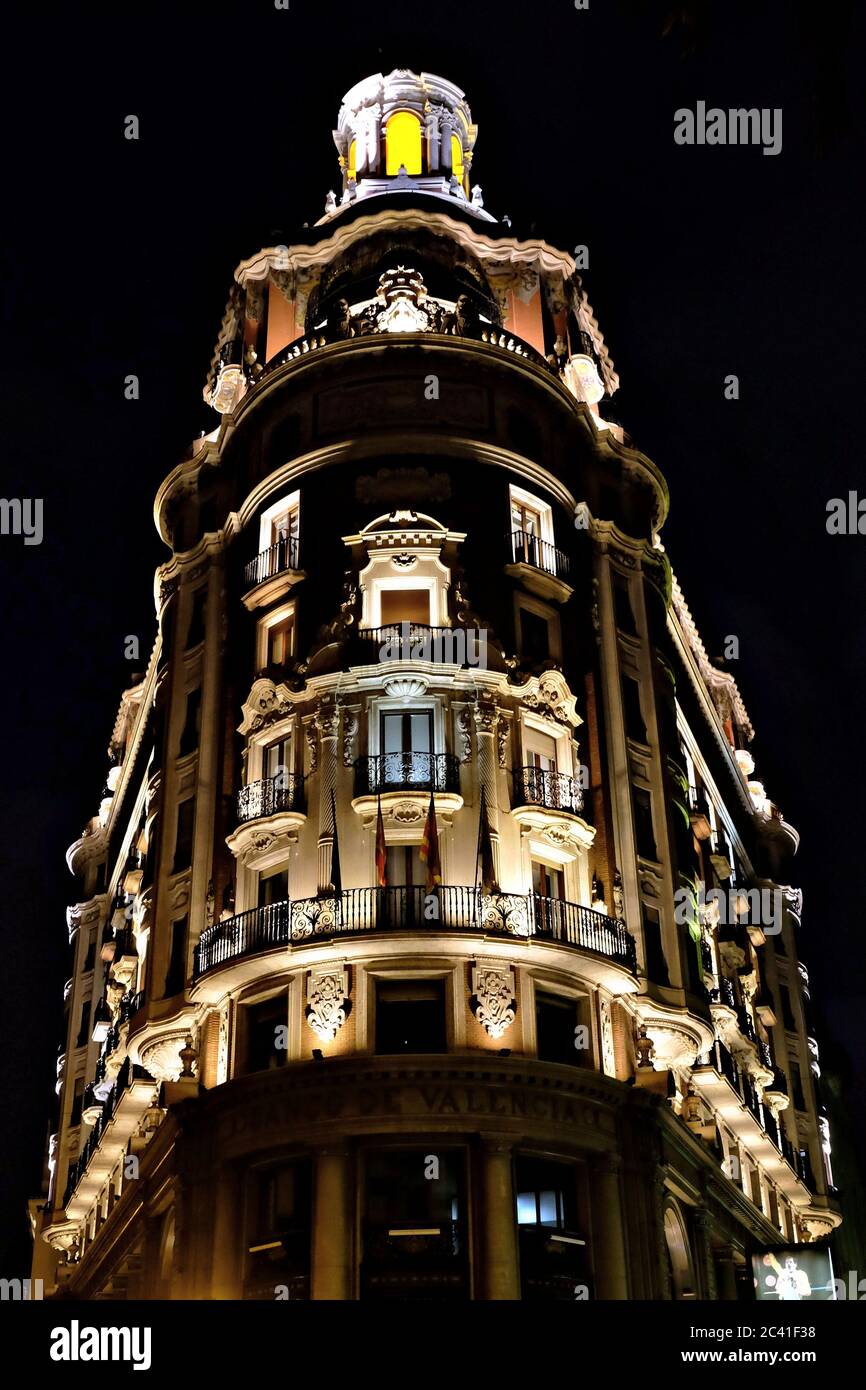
(285, 792)
(389, 772)
(283, 555)
(408, 908)
(724, 994)
(552, 790)
(527, 549)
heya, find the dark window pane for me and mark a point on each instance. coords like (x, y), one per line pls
(410, 1016)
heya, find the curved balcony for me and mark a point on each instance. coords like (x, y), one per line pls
(397, 772)
(270, 813)
(539, 565)
(460, 909)
(551, 790)
(267, 798)
(272, 573)
(402, 782)
(551, 804)
(458, 646)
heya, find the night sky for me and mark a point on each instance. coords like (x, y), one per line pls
(117, 258)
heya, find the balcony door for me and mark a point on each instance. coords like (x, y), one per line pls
(406, 748)
(548, 886)
(526, 532)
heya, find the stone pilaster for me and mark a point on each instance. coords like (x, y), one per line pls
(486, 726)
(608, 1233)
(500, 1274)
(333, 1244)
(327, 726)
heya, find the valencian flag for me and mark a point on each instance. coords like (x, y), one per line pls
(430, 848)
(336, 873)
(485, 851)
(381, 848)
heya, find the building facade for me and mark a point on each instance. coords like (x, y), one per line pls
(434, 937)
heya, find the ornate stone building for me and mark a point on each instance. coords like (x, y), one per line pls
(434, 938)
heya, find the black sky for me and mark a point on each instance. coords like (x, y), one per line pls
(117, 258)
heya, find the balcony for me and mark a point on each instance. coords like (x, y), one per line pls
(268, 798)
(551, 804)
(460, 909)
(729, 1092)
(392, 772)
(272, 573)
(539, 566)
(270, 813)
(119, 1114)
(551, 790)
(458, 646)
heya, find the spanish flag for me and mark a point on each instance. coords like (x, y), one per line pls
(381, 848)
(430, 848)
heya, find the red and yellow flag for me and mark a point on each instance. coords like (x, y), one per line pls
(381, 848)
(430, 848)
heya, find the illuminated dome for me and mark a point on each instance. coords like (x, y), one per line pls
(405, 133)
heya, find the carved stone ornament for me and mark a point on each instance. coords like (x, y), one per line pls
(502, 741)
(464, 732)
(350, 730)
(265, 704)
(551, 697)
(608, 1056)
(407, 813)
(312, 737)
(494, 998)
(328, 1003)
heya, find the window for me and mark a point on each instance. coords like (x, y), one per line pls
(406, 748)
(277, 759)
(656, 964)
(183, 838)
(553, 1257)
(410, 1016)
(77, 1101)
(273, 887)
(279, 1205)
(281, 525)
(264, 1023)
(403, 143)
(192, 723)
(196, 629)
(176, 973)
(531, 530)
(280, 641)
(414, 1227)
(91, 952)
(787, 1012)
(548, 881)
(534, 636)
(353, 160)
(540, 751)
(83, 1027)
(404, 867)
(622, 607)
(797, 1095)
(635, 726)
(557, 1030)
(644, 833)
(404, 606)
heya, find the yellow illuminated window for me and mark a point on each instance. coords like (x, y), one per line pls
(457, 156)
(403, 143)
(353, 159)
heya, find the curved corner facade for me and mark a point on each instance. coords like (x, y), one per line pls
(435, 937)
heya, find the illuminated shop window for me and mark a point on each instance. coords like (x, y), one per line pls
(403, 143)
(278, 1226)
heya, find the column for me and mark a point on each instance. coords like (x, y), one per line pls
(227, 1253)
(500, 1275)
(486, 725)
(333, 1242)
(326, 725)
(608, 1235)
(703, 1224)
(727, 1277)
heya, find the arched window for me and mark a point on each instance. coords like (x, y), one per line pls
(457, 156)
(403, 143)
(679, 1255)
